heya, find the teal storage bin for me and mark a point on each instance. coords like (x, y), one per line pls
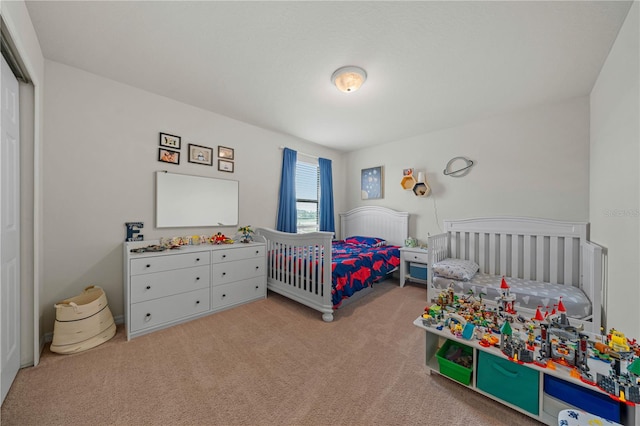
(451, 369)
(418, 271)
(511, 382)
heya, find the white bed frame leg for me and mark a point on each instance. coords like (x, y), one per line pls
(326, 317)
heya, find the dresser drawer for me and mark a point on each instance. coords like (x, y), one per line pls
(233, 254)
(420, 257)
(239, 270)
(159, 311)
(239, 292)
(149, 265)
(508, 381)
(161, 284)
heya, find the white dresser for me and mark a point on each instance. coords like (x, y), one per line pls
(165, 288)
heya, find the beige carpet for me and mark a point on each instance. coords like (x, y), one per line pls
(272, 362)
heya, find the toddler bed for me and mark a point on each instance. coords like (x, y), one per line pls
(542, 261)
(318, 272)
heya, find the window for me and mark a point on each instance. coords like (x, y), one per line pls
(307, 195)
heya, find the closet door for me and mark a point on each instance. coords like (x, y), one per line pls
(9, 229)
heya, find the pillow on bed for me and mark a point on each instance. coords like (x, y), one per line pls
(366, 241)
(456, 269)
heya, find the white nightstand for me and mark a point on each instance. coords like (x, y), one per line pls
(418, 257)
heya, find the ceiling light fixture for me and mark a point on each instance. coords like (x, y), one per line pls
(349, 79)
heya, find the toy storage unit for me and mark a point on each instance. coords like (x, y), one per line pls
(82, 322)
(540, 393)
(450, 368)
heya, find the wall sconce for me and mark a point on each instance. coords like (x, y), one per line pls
(349, 79)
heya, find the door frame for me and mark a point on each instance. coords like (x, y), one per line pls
(20, 35)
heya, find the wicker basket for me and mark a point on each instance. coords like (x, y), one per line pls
(82, 322)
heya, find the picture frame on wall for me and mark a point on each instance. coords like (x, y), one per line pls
(170, 141)
(225, 166)
(226, 153)
(168, 156)
(371, 183)
(200, 155)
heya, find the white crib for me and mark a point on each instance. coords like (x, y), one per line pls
(311, 284)
(543, 250)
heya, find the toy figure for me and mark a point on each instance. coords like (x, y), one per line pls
(218, 238)
(246, 232)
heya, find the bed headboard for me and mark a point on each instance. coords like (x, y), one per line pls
(375, 221)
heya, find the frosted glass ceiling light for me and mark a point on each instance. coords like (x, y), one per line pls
(348, 79)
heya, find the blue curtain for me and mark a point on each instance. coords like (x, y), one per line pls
(327, 222)
(287, 214)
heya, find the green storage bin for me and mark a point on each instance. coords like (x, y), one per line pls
(511, 382)
(451, 369)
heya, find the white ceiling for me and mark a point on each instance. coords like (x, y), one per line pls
(430, 65)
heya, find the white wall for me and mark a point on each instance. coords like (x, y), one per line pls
(528, 163)
(101, 153)
(18, 23)
(614, 179)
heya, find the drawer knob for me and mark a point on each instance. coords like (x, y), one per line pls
(198, 260)
(224, 273)
(148, 287)
(257, 251)
(224, 255)
(197, 278)
(257, 287)
(148, 266)
(197, 302)
(147, 317)
(257, 267)
(224, 295)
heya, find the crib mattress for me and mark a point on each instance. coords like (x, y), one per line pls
(529, 294)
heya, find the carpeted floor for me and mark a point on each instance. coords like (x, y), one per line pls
(272, 362)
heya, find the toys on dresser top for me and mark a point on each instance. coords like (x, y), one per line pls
(220, 238)
(195, 240)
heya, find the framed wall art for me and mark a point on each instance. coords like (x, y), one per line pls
(170, 141)
(371, 183)
(225, 166)
(226, 153)
(168, 156)
(200, 155)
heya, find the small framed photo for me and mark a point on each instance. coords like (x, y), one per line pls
(168, 156)
(407, 172)
(225, 166)
(200, 155)
(226, 153)
(170, 141)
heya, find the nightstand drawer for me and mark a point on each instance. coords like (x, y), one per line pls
(415, 256)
